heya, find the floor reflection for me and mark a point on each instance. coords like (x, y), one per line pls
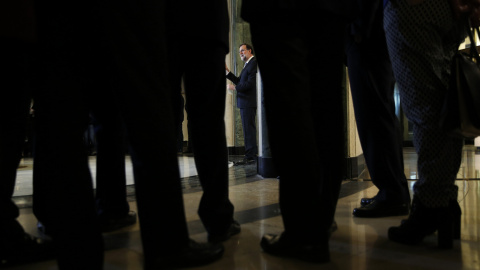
(358, 244)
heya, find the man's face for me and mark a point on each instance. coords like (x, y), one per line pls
(244, 53)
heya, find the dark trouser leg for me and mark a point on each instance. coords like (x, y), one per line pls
(157, 179)
(205, 93)
(13, 116)
(249, 131)
(63, 193)
(111, 195)
(144, 95)
(304, 117)
(372, 84)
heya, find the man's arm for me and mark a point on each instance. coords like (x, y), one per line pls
(233, 78)
(250, 83)
(230, 75)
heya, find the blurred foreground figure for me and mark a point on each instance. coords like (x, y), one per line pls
(302, 77)
(17, 38)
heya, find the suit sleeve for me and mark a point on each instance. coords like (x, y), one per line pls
(251, 82)
(233, 78)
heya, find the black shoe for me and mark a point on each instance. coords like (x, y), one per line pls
(112, 224)
(313, 252)
(366, 201)
(26, 250)
(382, 209)
(231, 231)
(424, 221)
(456, 212)
(195, 254)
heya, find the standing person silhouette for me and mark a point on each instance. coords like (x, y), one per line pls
(246, 87)
(302, 82)
(372, 84)
(205, 95)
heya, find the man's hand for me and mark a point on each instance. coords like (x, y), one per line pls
(231, 87)
(226, 68)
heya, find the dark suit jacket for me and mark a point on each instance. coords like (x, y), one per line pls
(246, 85)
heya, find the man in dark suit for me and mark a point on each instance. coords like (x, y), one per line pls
(205, 94)
(372, 84)
(302, 80)
(246, 86)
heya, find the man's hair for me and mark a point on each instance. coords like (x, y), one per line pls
(247, 46)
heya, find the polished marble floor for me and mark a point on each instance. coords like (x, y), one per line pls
(358, 243)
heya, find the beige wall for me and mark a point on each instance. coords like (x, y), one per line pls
(229, 112)
(354, 147)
